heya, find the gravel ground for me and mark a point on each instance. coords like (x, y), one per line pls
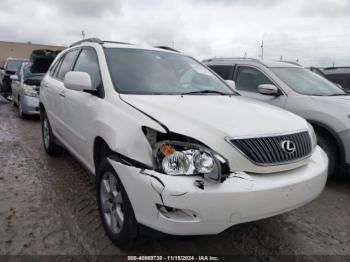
(48, 207)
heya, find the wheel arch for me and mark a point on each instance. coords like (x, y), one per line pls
(319, 126)
(101, 149)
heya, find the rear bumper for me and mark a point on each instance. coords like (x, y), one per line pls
(30, 105)
(240, 198)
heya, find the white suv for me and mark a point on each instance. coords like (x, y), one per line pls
(171, 146)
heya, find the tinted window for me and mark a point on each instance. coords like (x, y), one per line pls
(338, 79)
(248, 79)
(347, 85)
(66, 64)
(148, 72)
(87, 62)
(223, 71)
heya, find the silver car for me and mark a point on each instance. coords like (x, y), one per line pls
(25, 90)
(294, 88)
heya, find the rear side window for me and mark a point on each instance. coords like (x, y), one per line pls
(67, 64)
(222, 70)
(248, 79)
(87, 62)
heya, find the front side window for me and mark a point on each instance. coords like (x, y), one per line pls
(87, 62)
(306, 82)
(138, 71)
(248, 79)
(67, 64)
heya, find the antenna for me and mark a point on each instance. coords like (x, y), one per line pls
(262, 50)
(83, 34)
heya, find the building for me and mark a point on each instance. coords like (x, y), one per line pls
(21, 50)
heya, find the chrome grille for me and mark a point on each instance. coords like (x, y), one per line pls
(268, 150)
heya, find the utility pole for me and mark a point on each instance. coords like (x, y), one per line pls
(262, 50)
(245, 54)
(281, 58)
(83, 34)
(333, 64)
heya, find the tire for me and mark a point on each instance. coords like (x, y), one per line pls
(327, 144)
(121, 229)
(21, 114)
(50, 145)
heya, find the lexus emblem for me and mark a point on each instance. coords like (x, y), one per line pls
(288, 146)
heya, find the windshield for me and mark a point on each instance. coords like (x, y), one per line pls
(29, 73)
(13, 65)
(306, 82)
(137, 71)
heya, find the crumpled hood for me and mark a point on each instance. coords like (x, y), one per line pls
(231, 116)
(210, 119)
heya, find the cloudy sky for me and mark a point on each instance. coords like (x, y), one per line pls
(314, 32)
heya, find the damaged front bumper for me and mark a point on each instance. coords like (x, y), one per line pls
(182, 205)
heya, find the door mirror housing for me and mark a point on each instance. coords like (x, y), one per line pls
(268, 89)
(78, 81)
(231, 83)
(14, 77)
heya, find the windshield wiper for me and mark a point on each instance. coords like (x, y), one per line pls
(206, 92)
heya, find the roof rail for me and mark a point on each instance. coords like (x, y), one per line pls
(90, 40)
(336, 67)
(289, 62)
(96, 40)
(167, 48)
(116, 42)
(232, 58)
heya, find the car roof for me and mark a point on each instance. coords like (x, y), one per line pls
(252, 61)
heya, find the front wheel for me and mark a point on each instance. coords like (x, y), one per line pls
(50, 145)
(115, 208)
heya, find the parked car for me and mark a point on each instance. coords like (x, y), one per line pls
(26, 82)
(11, 66)
(338, 75)
(300, 91)
(170, 145)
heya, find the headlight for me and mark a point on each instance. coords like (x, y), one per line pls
(29, 90)
(181, 158)
(312, 135)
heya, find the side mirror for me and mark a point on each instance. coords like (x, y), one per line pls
(231, 83)
(14, 77)
(268, 89)
(78, 81)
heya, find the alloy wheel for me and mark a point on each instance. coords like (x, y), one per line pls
(112, 202)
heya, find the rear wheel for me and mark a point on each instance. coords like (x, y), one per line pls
(327, 144)
(50, 145)
(115, 208)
